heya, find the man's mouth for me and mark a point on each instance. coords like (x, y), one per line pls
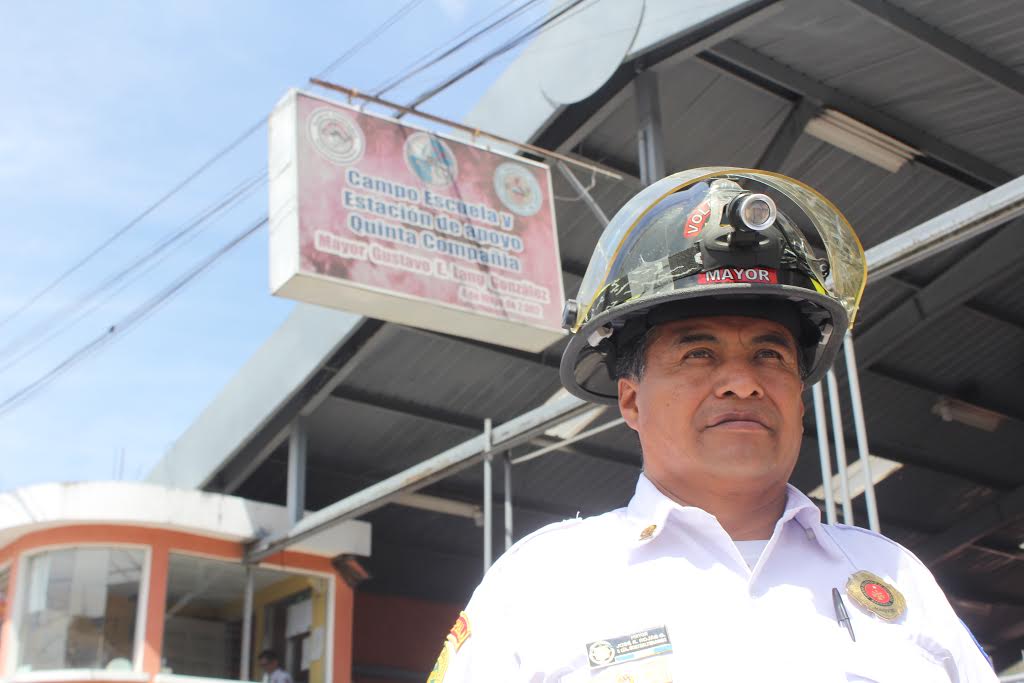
(738, 420)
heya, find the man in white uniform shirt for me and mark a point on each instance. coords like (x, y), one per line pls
(272, 671)
(713, 299)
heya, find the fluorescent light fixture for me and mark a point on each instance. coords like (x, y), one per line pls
(952, 410)
(860, 140)
(572, 427)
(456, 508)
(880, 469)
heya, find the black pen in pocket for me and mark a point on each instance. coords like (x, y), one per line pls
(841, 616)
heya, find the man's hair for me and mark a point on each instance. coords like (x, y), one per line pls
(631, 356)
(269, 655)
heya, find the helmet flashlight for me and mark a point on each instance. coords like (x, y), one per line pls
(752, 212)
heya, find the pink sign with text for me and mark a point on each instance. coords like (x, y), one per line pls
(393, 222)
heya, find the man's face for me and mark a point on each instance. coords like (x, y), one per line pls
(718, 408)
(268, 665)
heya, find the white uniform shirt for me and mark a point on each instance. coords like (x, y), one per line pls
(581, 583)
(278, 675)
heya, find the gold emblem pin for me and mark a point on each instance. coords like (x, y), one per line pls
(648, 532)
(875, 595)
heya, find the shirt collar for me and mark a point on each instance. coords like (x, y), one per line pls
(648, 512)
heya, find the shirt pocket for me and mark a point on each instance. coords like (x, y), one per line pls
(894, 662)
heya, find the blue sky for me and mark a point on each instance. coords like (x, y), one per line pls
(107, 106)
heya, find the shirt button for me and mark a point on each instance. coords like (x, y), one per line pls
(648, 532)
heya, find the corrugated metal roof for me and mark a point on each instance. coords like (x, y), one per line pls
(993, 27)
(966, 359)
(863, 57)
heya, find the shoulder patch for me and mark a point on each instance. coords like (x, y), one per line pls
(460, 632)
(441, 665)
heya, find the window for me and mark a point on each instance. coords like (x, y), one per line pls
(80, 609)
(203, 623)
(5, 574)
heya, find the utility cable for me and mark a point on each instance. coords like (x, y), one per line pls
(131, 224)
(511, 44)
(70, 317)
(134, 318)
(428, 60)
(117, 234)
(369, 37)
(70, 309)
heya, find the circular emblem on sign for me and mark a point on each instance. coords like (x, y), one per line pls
(431, 159)
(517, 188)
(337, 137)
(601, 653)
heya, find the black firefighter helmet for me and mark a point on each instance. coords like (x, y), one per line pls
(715, 241)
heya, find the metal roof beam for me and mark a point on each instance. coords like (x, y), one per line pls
(732, 52)
(786, 136)
(402, 406)
(543, 358)
(595, 452)
(946, 45)
(1007, 509)
(471, 424)
(975, 307)
(999, 253)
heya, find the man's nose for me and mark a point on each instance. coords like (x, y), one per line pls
(738, 378)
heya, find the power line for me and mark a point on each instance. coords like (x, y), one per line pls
(511, 44)
(117, 234)
(137, 316)
(72, 314)
(429, 59)
(131, 224)
(369, 37)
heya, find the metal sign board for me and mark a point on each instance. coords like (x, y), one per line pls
(376, 217)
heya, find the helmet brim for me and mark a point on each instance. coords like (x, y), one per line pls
(586, 374)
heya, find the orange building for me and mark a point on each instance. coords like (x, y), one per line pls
(117, 581)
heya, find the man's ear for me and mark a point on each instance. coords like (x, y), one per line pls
(627, 402)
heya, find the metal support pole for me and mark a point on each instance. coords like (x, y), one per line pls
(823, 453)
(837, 432)
(508, 500)
(649, 135)
(862, 432)
(244, 664)
(488, 497)
(584, 193)
(297, 447)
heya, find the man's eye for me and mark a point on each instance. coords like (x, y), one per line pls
(769, 353)
(698, 353)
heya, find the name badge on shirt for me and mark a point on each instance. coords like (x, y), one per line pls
(637, 650)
